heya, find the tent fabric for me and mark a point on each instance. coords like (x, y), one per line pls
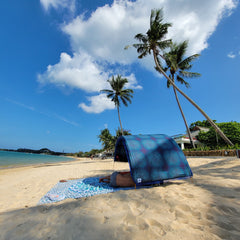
(152, 158)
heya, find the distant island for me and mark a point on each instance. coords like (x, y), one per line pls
(41, 151)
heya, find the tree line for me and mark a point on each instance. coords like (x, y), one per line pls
(210, 139)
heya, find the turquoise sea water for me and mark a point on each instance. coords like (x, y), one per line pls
(17, 159)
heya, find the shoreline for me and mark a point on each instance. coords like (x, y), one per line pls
(20, 165)
(205, 207)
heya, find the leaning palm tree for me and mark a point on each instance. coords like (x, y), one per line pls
(153, 42)
(117, 93)
(178, 67)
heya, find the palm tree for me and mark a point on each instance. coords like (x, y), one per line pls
(117, 93)
(153, 42)
(178, 66)
(107, 139)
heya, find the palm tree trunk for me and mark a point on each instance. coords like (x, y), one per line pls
(120, 120)
(191, 101)
(184, 119)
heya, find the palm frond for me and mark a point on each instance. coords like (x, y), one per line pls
(164, 44)
(110, 95)
(181, 50)
(182, 81)
(141, 38)
(106, 91)
(125, 101)
(189, 74)
(156, 16)
(185, 64)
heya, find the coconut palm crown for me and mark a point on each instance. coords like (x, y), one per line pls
(118, 94)
(153, 40)
(177, 65)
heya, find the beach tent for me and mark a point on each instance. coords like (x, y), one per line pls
(152, 158)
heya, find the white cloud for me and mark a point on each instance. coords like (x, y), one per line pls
(110, 28)
(98, 104)
(132, 82)
(69, 4)
(79, 71)
(231, 55)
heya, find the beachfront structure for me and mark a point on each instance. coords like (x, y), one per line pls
(183, 140)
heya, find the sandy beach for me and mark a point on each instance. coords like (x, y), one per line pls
(205, 207)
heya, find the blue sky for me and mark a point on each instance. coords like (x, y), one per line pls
(57, 54)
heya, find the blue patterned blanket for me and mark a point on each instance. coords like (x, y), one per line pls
(79, 188)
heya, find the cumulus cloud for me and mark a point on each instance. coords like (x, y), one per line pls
(132, 82)
(110, 28)
(80, 71)
(69, 4)
(98, 104)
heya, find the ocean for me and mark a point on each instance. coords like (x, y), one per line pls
(18, 159)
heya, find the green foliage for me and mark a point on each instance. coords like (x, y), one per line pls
(199, 148)
(154, 40)
(214, 141)
(179, 66)
(108, 140)
(119, 133)
(203, 123)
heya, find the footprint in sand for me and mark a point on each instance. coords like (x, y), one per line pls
(137, 208)
(186, 209)
(129, 220)
(188, 195)
(228, 210)
(181, 216)
(156, 227)
(142, 224)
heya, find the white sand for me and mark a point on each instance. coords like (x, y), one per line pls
(208, 207)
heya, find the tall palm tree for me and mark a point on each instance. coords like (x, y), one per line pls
(117, 93)
(153, 42)
(178, 66)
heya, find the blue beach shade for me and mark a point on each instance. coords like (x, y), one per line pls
(152, 158)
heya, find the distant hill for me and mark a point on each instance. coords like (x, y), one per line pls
(40, 151)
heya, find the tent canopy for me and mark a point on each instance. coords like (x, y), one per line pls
(152, 158)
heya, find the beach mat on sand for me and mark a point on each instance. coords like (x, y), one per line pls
(78, 188)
